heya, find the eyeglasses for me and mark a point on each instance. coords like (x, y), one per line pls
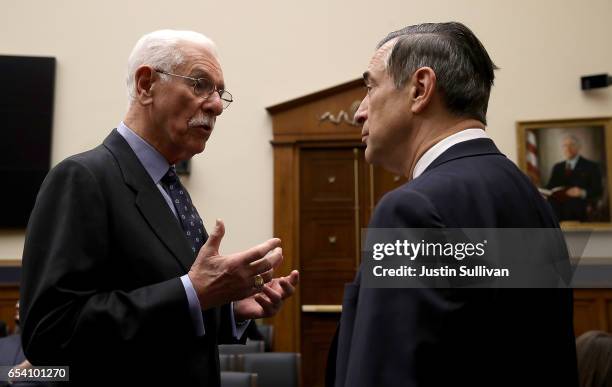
(204, 88)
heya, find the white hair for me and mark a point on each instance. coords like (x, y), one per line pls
(161, 50)
(573, 138)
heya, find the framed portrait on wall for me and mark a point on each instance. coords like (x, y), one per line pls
(570, 161)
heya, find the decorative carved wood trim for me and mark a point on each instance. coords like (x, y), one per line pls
(343, 116)
(301, 118)
(298, 102)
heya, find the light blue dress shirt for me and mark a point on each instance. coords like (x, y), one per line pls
(156, 166)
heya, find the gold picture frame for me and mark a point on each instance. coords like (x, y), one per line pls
(570, 161)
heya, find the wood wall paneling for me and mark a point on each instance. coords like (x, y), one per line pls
(9, 294)
(318, 198)
(592, 310)
(286, 332)
(316, 333)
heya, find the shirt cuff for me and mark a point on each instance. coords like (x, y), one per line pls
(194, 306)
(238, 329)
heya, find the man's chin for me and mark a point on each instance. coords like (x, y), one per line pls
(369, 155)
(194, 150)
(200, 148)
(378, 159)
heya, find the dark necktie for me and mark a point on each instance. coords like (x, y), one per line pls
(187, 214)
(568, 169)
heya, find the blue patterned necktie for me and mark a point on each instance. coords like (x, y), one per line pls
(187, 214)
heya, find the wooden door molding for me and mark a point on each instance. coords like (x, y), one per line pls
(322, 120)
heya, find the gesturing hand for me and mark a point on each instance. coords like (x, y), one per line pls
(219, 279)
(269, 301)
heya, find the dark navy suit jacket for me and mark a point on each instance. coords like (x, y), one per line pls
(460, 337)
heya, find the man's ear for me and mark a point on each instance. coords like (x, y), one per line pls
(423, 87)
(145, 80)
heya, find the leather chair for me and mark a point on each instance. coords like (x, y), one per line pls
(238, 379)
(227, 362)
(273, 369)
(267, 331)
(249, 347)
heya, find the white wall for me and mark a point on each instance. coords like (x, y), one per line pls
(272, 51)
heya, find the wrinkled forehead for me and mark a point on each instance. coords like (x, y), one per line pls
(200, 57)
(569, 141)
(378, 63)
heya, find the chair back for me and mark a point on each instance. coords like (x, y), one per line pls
(227, 362)
(273, 369)
(238, 379)
(267, 331)
(234, 349)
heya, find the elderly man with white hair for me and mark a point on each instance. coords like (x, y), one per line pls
(121, 281)
(577, 181)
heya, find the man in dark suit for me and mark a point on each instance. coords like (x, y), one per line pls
(120, 280)
(424, 116)
(581, 179)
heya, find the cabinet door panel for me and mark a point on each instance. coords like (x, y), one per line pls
(320, 287)
(328, 240)
(586, 315)
(592, 310)
(327, 178)
(317, 332)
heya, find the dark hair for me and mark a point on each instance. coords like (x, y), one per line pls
(464, 70)
(594, 351)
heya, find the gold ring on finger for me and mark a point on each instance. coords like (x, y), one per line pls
(259, 281)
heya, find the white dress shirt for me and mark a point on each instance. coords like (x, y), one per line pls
(435, 151)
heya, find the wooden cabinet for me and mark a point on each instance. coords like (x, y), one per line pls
(329, 212)
(592, 310)
(9, 294)
(324, 194)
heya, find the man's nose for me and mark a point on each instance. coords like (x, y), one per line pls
(213, 105)
(361, 115)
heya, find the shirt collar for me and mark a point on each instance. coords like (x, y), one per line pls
(154, 163)
(572, 162)
(435, 151)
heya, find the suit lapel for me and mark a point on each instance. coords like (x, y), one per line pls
(476, 147)
(580, 164)
(149, 200)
